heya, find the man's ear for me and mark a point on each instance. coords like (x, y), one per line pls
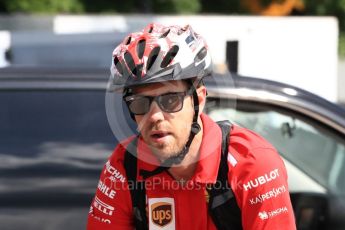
(202, 92)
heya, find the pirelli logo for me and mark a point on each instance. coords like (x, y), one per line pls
(162, 213)
(103, 207)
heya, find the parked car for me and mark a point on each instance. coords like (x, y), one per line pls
(55, 138)
(308, 132)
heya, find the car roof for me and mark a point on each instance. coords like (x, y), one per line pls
(49, 78)
(277, 94)
(219, 85)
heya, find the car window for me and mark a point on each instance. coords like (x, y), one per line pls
(305, 143)
(53, 145)
(58, 136)
(54, 115)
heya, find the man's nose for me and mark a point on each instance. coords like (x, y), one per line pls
(155, 113)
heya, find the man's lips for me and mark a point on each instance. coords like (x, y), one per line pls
(159, 135)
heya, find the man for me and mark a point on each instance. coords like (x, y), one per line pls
(180, 153)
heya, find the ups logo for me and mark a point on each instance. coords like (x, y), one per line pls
(161, 213)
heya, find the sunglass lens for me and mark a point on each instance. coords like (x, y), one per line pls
(140, 106)
(171, 102)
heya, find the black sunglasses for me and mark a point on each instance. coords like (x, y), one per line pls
(168, 102)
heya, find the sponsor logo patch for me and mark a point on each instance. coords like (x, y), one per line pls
(272, 175)
(106, 190)
(103, 207)
(115, 173)
(264, 215)
(161, 213)
(273, 193)
(189, 39)
(100, 219)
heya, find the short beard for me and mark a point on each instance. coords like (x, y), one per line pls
(171, 153)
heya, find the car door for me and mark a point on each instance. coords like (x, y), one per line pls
(53, 145)
(313, 152)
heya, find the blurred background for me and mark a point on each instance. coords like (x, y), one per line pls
(54, 66)
(300, 42)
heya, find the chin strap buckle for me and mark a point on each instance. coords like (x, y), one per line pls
(195, 128)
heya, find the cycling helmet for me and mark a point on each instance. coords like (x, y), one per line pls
(159, 53)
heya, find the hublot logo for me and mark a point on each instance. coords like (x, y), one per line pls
(274, 174)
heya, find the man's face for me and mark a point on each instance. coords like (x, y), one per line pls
(165, 133)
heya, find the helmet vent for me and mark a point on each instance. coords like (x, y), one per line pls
(118, 65)
(130, 63)
(201, 55)
(165, 34)
(139, 70)
(141, 48)
(152, 58)
(169, 56)
(150, 29)
(128, 41)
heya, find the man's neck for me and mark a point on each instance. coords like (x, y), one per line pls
(185, 170)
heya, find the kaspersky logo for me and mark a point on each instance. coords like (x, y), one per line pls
(161, 213)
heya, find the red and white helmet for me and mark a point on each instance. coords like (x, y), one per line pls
(159, 53)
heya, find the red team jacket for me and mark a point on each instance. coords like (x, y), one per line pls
(257, 176)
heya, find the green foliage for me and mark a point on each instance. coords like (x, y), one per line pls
(187, 6)
(330, 8)
(176, 6)
(90, 6)
(122, 6)
(342, 45)
(326, 7)
(221, 6)
(43, 6)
